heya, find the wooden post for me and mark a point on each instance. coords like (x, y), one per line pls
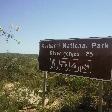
(100, 104)
(44, 89)
(111, 86)
(111, 76)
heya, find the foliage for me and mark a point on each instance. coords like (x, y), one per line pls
(7, 35)
(71, 93)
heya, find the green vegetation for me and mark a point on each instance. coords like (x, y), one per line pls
(21, 84)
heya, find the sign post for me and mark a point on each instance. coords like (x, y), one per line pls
(111, 86)
(100, 103)
(90, 57)
(44, 89)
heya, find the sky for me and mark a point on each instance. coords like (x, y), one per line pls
(53, 19)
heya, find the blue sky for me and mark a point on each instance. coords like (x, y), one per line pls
(57, 19)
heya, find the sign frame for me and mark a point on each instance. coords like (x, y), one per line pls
(99, 46)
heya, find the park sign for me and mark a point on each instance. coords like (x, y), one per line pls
(87, 57)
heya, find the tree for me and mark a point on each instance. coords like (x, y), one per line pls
(9, 34)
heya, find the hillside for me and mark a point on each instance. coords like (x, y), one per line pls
(21, 85)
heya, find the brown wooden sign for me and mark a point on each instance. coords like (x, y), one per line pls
(89, 57)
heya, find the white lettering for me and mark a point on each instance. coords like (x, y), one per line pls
(100, 45)
(73, 45)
